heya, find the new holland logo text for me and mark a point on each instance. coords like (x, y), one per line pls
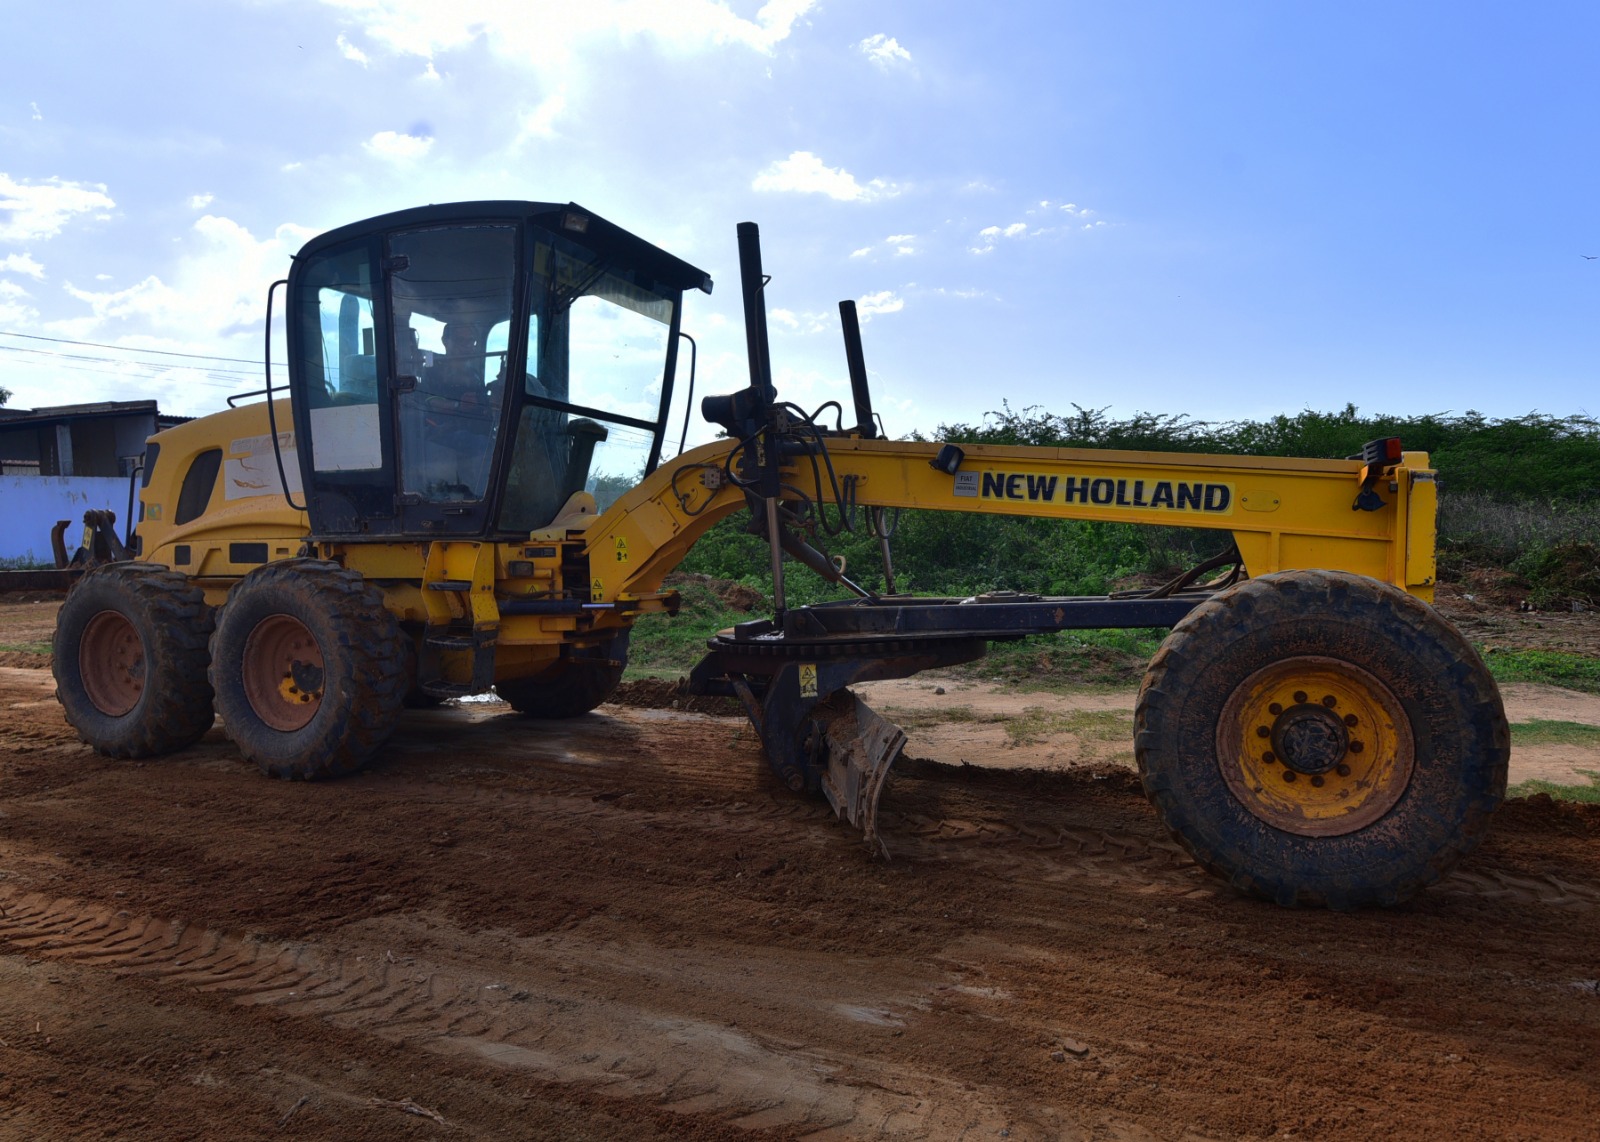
(1124, 492)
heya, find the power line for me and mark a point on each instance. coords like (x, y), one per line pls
(146, 374)
(127, 361)
(131, 349)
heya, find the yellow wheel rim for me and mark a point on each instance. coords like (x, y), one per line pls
(1315, 746)
(283, 672)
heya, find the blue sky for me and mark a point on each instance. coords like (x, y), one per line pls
(1224, 210)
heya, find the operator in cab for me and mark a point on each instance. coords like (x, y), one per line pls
(461, 409)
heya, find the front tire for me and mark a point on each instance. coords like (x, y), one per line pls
(129, 658)
(1320, 738)
(308, 669)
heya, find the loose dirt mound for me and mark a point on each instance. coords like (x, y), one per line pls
(734, 595)
(1488, 614)
(667, 694)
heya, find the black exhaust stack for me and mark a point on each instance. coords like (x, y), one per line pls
(856, 361)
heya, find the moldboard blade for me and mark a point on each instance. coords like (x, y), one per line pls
(862, 746)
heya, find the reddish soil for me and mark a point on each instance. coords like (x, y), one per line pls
(620, 927)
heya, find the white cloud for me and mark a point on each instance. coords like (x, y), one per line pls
(539, 123)
(545, 34)
(350, 51)
(22, 264)
(899, 245)
(964, 294)
(804, 173)
(200, 201)
(38, 116)
(208, 300)
(1049, 224)
(884, 51)
(884, 301)
(33, 211)
(989, 236)
(802, 322)
(219, 287)
(14, 308)
(397, 146)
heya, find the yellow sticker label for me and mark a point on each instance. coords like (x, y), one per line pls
(622, 549)
(808, 680)
(597, 591)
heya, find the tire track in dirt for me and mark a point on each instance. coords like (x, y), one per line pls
(1160, 865)
(562, 1034)
(1015, 847)
(1490, 883)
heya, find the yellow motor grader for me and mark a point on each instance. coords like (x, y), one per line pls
(448, 499)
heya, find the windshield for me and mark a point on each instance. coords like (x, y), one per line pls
(597, 342)
(451, 289)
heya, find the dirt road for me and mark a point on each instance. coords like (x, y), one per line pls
(619, 927)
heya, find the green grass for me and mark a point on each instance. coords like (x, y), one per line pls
(23, 563)
(1036, 723)
(1584, 794)
(923, 719)
(671, 645)
(1070, 660)
(27, 647)
(1541, 731)
(1554, 667)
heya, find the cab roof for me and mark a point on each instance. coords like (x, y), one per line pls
(570, 220)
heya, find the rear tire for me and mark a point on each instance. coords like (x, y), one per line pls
(129, 658)
(573, 686)
(309, 669)
(1320, 738)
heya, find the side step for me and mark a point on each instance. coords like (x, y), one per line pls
(479, 644)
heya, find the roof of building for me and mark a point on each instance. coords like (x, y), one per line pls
(13, 416)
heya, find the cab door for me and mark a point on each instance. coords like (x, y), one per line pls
(339, 396)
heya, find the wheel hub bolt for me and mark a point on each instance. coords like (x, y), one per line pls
(1269, 757)
(1288, 775)
(1350, 719)
(1299, 697)
(1274, 709)
(1342, 770)
(1263, 732)
(1329, 701)
(1356, 747)
(1317, 781)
